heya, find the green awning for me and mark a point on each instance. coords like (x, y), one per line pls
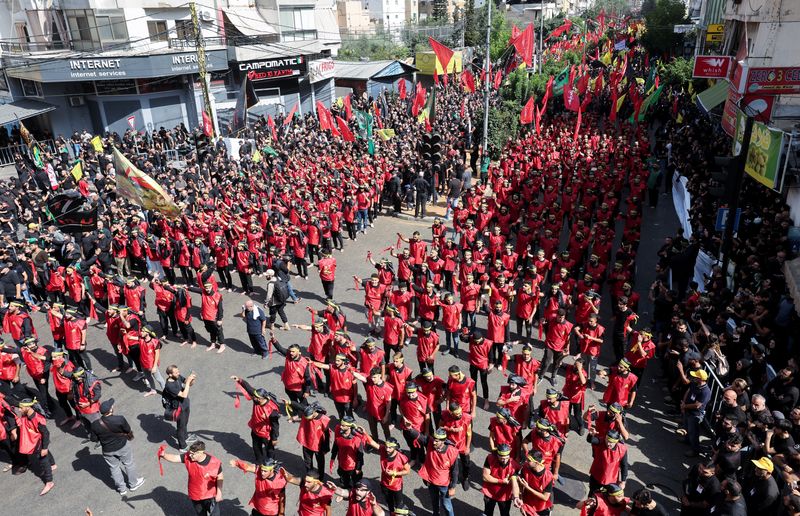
(713, 96)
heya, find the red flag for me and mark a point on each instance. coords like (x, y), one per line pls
(444, 79)
(675, 106)
(571, 99)
(583, 82)
(523, 44)
(435, 78)
(348, 108)
(243, 391)
(289, 117)
(586, 100)
(548, 92)
(558, 31)
(598, 85)
(464, 108)
(208, 127)
(538, 120)
(577, 126)
(498, 79)
(526, 116)
(443, 54)
(514, 33)
(322, 116)
(647, 60)
(428, 126)
(347, 134)
(572, 73)
(271, 124)
(612, 116)
(419, 99)
(160, 454)
(401, 88)
(601, 19)
(92, 310)
(483, 75)
(237, 402)
(468, 81)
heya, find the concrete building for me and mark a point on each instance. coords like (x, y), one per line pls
(453, 6)
(353, 17)
(105, 66)
(390, 15)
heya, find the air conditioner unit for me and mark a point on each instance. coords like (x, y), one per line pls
(206, 16)
(77, 101)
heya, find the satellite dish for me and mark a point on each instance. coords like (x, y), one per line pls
(757, 106)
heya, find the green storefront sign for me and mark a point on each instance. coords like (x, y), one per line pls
(764, 154)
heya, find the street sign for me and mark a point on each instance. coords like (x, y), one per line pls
(681, 29)
(132, 121)
(714, 38)
(715, 28)
(722, 219)
(773, 80)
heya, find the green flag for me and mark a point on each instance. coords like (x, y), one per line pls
(364, 121)
(560, 81)
(429, 111)
(269, 150)
(651, 78)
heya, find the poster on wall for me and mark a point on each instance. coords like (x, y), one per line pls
(764, 153)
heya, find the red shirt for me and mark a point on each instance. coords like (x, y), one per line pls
(327, 269)
(397, 463)
(314, 504)
(479, 353)
(378, 398)
(499, 492)
(557, 337)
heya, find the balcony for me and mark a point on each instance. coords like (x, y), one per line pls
(191, 44)
(29, 47)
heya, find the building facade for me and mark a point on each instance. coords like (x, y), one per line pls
(104, 69)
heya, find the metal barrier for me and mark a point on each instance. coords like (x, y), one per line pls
(715, 402)
(7, 153)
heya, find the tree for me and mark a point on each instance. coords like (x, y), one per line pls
(439, 10)
(610, 7)
(372, 48)
(472, 31)
(660, 22)
(678, 72)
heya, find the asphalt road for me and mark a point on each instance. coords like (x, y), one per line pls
(82, 479)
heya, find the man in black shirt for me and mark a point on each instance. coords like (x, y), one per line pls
(644, 505)
(732, 504)
(114, 434)
(11, 283)
(761, 490)
(175, 399)
(701, 490)
(423, 190)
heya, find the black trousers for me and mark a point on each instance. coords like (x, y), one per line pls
(182, 428)
(80, 358)
(215, 332)
(187, 332)
(63, 402)
(309, 456)
(262, 448)
(301, 265)
(327, 287)
(247, 282)
(207, 507)
(167, 320)
(225, 277)
(343, 408)
(474, 372)
(489, 505)
(42, 467)
(349, 478)
(278, 310)
(336, 238)
(392, 498)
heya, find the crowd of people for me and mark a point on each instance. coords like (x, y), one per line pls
(536, 257)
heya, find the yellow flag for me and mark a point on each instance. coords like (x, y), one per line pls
(680, 118)
(97, 143)
(256, 156)
(77, 171)
(620, 101)
(141, 189)
(691, 87)
(385, 134)
(606, 58)
(640, 80)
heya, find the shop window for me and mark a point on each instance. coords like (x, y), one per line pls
(116, 87)
(297, 24)
(157, 30)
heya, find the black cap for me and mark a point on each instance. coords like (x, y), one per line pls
(106, 406)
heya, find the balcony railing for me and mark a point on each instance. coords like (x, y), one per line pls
(182, 43)
(25, 47)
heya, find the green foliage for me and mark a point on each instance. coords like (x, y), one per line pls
(374, 48)
(503, 125)
(678, 72)
(660, 21)
(472, 31)
(611, 8)
(475, 33)
(439, 10)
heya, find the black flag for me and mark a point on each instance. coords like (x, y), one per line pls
(72, 212)
(246, 99)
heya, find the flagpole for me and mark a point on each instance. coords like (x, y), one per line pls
(200, 48)
(486, 82)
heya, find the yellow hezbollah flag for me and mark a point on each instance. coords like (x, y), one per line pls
(384, 134)
(680, 118)
(141, 189)
(619, 102)
(77, 171)
(640, 80)
(606, 58)
(97, 143)
(256, 156)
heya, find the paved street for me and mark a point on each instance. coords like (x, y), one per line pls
(82, 479)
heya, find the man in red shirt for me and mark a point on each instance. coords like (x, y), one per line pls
(440, 472)
(590, 339)
(379, 397)
(620, 388)
(498, 471)
(641, 350)
(205, 477)
(461, 390)
(327, 272)
(394, 466)
(556, 343)
(533, 486)
(315, 496)
(269, 497)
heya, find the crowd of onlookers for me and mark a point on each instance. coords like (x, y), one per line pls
(739, 329)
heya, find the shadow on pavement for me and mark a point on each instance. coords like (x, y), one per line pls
(156, 428)
(93, 464)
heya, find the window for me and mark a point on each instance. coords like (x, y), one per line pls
(184, 29)
(31, 88)
(157, 30)
(82, 29)
(297, 24)
(112, 28)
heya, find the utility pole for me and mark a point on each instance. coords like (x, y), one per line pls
(200, 48)
(487, 67)
(540, 62)
(737, 171)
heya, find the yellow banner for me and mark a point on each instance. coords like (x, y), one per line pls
(141, 189)
(77, 171)
(97, 143)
